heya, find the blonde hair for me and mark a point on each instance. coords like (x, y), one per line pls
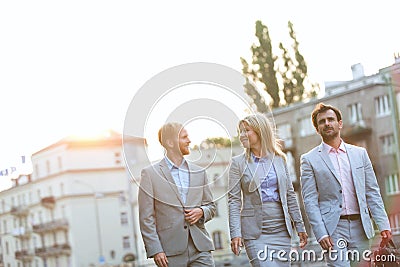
(169, 131)
(263, 128)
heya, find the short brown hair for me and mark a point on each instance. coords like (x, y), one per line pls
(320, 108)
(169, 130)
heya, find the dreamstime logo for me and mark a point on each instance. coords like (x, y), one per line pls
(187, 94)
(341, 243)
(339, 254)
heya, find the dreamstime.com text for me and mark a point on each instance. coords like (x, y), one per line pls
(313, 256)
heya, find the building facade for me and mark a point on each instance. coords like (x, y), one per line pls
(75, 209)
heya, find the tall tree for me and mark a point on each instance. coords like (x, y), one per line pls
(263, 71)
(251, 90)
(292, 72)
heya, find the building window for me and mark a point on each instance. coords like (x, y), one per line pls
(355, 113)
(387, 144)
(117, 156)
(62, 189)
(37, 170)
(392, 184)
(382, 105)
(124, 218)
(395, 223)
(48, 167)
(59, 163)
(306, 126)
(216, 209)
(217, 240)
(122, 198)
(125, 242)
(284, 132)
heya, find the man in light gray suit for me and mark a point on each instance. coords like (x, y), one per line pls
(340, 191)
(175, 202)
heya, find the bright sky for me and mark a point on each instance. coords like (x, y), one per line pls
(72, 67)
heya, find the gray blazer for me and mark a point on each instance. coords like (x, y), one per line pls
(162, 223)
(322, 195)
(245, 199)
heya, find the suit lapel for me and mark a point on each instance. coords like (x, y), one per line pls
(254, 169)
(325, 157)
(281, 176)
(167, 175)
(354, 163)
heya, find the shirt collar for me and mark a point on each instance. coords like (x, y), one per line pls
(259, 160)
(170, 164)
(328, 148)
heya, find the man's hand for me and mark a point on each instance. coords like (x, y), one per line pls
(326, 243)
(236, 245)
(303, 239)
(161, 259)
(193, 215)
(386, 237)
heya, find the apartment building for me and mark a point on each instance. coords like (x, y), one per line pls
(77, 208)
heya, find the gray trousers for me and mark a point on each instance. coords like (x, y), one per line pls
(350, 245)
(191, 257)
(272, 248)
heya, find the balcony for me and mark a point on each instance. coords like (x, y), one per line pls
(52, 251)
(357, 129)
(24, 255)
(22, 232)
(19, 211)
(49, 202)
(60, 224)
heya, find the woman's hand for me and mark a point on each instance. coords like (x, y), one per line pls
(236, 245)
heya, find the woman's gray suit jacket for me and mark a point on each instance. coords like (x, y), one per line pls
(245, 202)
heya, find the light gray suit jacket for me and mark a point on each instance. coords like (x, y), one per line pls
(321, 190)
(161, 210)
(245, 199)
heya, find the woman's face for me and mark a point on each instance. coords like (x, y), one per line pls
(248, 137)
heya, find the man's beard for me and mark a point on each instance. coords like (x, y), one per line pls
(329, 137)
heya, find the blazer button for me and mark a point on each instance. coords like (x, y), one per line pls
(185, 227)
(340, 191)
(340, 206)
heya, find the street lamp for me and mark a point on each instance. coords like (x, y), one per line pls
(95, 196)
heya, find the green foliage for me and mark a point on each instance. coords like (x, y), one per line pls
(219, 142)
(292, 71)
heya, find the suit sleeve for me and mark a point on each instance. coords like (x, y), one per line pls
(234, 200)
(147, 220)
(310, 195)
(293, 205)
(373, 195)
(207, 205)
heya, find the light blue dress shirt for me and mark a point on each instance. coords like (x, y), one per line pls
(181, 177)
(268, 179)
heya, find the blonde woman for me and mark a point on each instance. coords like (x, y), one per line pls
(262, 201)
